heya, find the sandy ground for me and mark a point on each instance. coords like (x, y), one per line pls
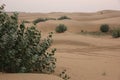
(28, 76)
(84, 57)
(88, 58)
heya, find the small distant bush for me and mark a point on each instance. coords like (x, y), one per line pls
(25, 21)
(63, 17)
(116, 33)
(50, 19)
(39, 20)
(61, 28)
(82, 30)
(104, 74)
(104, 28)
(42, 20)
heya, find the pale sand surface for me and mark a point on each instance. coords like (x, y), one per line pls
(88, 58)
(29, 76)
(84, 57)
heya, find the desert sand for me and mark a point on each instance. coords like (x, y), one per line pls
(85, 57)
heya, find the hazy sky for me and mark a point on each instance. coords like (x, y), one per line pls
(60, 5)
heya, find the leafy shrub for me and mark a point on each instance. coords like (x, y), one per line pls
(104, 28)
(116, 33)
(22, 49)
(2, 7)
(61, 28)
(63, 17)
(39, 20)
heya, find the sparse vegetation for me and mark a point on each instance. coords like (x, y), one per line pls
(93, 33)
(104, 28)
(82, 31)
(25, 21)
(22, 49)
(61, 28)
(63, 17)
(116, 33)
(64, 75)
(104, 74)
(39, 20)
(50, 18)
(42, 20)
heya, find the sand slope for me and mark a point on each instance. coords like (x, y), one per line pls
(88, 58)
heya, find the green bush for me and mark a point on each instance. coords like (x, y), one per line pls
(61, 28)
(25, 21)
(42, 20)
(39, 20)
(22, 49)
(104, 28)
(63, 17)
(116, 33)
(50, 19)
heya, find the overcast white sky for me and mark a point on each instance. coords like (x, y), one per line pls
(60, 5)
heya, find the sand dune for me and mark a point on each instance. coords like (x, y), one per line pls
(88, 58)
(79, 21)
(84, 57)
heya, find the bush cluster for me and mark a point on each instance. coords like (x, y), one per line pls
(63, 17)
(42, 20)
(39, 20)
(116, 33)
(25, 21)
(22, 49)
(104, 28)
(50, 18)
(61, 28)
